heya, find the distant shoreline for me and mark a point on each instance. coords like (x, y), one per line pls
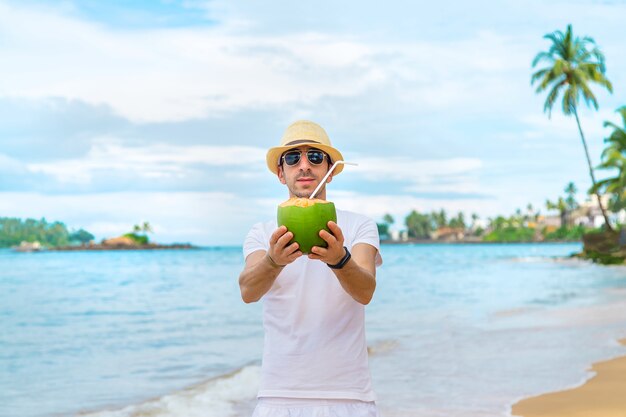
(469, 242)
(100, 247)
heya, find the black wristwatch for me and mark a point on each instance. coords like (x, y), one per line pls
(343, 260)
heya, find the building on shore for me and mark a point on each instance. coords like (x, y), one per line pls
(28, 247)
(399, 235)
(589, 214)
(448, 234)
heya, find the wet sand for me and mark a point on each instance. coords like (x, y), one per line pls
(604, 395)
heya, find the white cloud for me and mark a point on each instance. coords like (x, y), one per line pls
(161, 161)
(413, 169)
(186, 73)
(157, 160)
(172, 74)
(564, 127)
(10, 165)
(178, 74)
(452, 175)
(542, 132)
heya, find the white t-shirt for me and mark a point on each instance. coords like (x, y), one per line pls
(314, 330)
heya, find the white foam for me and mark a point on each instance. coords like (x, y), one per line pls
(535, 259)
(215, 398)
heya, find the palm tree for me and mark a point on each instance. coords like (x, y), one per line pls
(572, 64)
(614, 157)
(146, 228)
(570, 200)
(388, 219)
(561, 206)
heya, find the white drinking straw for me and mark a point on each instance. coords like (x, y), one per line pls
(327, 174)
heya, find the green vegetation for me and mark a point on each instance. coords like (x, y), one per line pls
(603, 247)
(423, 225)
(607, 247)
(510, 234)
(419, 225)
(573, 63)
(522, 226)
(614, 158)
(13, 231)
(602, 258)
(383, 228)
(140, 233)
(567, 233)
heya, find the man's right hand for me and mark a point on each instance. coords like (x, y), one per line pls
(263, 267)
(280, 251)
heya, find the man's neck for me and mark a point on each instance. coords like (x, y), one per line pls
(318, 196)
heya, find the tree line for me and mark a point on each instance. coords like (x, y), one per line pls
(520, 226)
(421, 225)
(13, 231)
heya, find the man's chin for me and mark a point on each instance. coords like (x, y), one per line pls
(303, 193)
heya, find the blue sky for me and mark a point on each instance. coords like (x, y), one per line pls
(114, 113)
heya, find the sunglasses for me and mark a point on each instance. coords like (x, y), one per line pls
(315, 157)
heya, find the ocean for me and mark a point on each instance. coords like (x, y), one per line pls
(453, 330)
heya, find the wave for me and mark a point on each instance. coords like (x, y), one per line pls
(223, 396)
(535, 259)
(229, 395)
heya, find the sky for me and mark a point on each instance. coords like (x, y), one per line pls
(115, 113)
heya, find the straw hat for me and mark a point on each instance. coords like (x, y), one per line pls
(303, 132)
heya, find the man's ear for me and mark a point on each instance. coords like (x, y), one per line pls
(330, 178)
(281, 175)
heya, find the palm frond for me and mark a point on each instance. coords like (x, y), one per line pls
(542, 56)
(585, 91)
(593, 73)
(570, 100)
(599, 56)
(603, 183)
(554, 76)
(612, 157)
(622, 111)
(539, 74)
(605, 83)
(551, 99)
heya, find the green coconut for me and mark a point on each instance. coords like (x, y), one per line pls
(305, 218)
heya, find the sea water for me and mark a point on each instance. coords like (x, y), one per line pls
(453, 330)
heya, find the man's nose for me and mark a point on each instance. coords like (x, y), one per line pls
(304, 162)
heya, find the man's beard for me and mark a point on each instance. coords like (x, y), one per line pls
(306, 193)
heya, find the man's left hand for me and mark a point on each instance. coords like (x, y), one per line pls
(335, 251)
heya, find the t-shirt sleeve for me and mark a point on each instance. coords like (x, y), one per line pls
(367, 232)
(256, 240)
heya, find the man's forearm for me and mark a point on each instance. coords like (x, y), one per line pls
(357, 281)
(257, 279)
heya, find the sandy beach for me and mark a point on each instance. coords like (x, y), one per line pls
(604, 395)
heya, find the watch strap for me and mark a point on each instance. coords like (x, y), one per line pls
(343, 260)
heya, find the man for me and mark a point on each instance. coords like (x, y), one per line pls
(315, 355)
